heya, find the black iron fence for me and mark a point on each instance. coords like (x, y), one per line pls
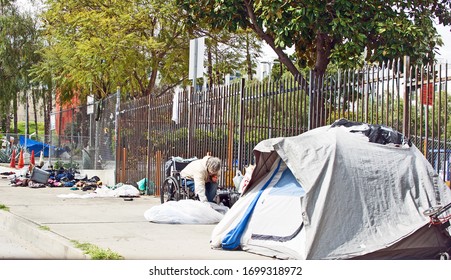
(228, 121)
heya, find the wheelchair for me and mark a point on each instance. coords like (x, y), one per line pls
(174, 187)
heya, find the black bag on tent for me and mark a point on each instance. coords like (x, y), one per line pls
(377, 133)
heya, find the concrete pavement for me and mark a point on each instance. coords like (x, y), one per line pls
(15, 248)
(50, 223)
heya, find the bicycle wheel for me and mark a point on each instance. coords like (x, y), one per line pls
(170, 190)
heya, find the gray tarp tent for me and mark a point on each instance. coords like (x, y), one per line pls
(330, 193)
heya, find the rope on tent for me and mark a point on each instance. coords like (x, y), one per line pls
(439, 221)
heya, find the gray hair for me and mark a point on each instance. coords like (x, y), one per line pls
(213, 165)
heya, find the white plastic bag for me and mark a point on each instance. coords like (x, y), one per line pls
(237, 179)
(126, 191)
(185, 211)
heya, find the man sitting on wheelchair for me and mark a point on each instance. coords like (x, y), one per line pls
(204, 172)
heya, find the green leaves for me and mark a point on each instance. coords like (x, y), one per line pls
(105, 44)
(386, 29)
(18, 43)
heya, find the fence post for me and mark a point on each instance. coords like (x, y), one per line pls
(230, 137)
(51, 143)
(270, 105)
(406, 110)
(96, 135)
(190, 133)
(124, 162)
(158, 164)
(310, 102)
(241, 127)
(116, 132)
(72, 137)
(148, 158)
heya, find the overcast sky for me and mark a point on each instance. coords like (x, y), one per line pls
(445, 51)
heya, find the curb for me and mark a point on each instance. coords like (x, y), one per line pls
(54, 245)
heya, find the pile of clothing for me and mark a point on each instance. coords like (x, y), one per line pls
(37, 178)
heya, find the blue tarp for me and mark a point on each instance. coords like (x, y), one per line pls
(233, 238)
(36, 146)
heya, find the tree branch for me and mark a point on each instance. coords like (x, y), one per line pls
(283, 57)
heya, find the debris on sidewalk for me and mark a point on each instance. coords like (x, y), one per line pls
(35, 177)
(120, 190)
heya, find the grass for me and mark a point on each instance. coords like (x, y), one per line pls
(96, 252)
(44, 228)
(31, 127)
(4, 207)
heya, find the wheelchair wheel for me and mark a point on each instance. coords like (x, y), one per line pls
(170, 190)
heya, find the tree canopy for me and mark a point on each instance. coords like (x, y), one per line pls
(18, 44)
(95, 45)
(327, 31)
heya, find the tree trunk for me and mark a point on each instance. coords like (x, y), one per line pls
(217, 73)
(8, 122)
(15, 122)
(323, 49)
(210, 67)
(35, 112)
(46, 118)
(4, 118)
(283, 57)
(248, 58)
(152, 81)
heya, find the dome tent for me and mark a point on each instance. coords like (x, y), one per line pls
(349, 190)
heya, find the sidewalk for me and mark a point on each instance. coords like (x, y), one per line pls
(50, 223)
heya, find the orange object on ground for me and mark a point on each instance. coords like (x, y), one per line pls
(13, 160)
(32, 157)
(20, 164)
